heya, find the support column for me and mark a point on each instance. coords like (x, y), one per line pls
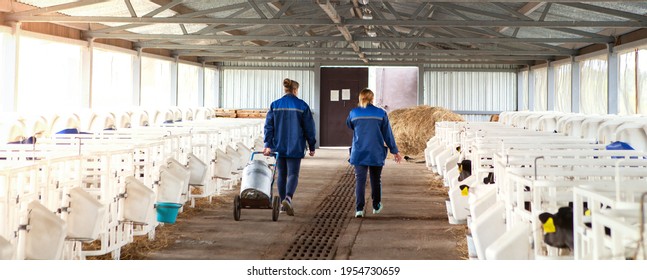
(550, 85)
(174, 80)
(86, 74)
(316, 108)
(531, 90)
(421, 84)
(520, 85)
(612, 80)
(201, 86)
(221, 94)
(137, 79)
(575, 86)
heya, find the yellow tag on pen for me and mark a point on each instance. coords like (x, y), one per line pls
(587, 212)
(465, 191)
(549, 226)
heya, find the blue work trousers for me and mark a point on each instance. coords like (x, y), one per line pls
(360, 185)
(288, 179)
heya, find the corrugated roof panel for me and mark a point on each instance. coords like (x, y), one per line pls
(639, 8)
(110, 8)
(158, 29)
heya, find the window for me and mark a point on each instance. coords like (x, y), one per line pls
(563, 88)
(632, 82)
(627, 83)
(641, 80)
(4, 77)
(188, 87)
(50, 76)
(593, 86)
(112, 80)
(540, 89)
(211, 79)
(156, 83)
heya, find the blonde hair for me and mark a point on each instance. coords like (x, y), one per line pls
(290, 85)
(365, 97)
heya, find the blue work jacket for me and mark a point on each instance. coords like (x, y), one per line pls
(288, 125)
(371, 131)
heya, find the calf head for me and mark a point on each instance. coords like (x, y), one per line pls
(464, 169)
(558, 228)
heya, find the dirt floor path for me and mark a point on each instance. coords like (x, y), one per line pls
(413, 224)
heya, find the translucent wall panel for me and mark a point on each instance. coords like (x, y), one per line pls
(593, 86)
(156, 83)
(471, 91)
(627, 83)
(50, 76)
(540, 89)
(211, 87)
(256, 89)
(563, 87)
(4, 79)
(188, 89)
(112, 80)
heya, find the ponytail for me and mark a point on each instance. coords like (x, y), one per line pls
(365, 97)
(290, 85)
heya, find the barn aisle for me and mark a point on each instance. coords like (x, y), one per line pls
(413, 222)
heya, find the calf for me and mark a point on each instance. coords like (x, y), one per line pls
(558, 228)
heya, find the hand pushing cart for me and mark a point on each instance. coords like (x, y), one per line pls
(256, 188)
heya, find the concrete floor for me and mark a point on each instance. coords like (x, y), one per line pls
(412, 226)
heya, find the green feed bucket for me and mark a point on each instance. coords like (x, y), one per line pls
(167, 212)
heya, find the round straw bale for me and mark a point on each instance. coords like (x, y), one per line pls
(413, 127)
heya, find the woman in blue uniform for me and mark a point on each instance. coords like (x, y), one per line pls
(288, 126)
(371, 131)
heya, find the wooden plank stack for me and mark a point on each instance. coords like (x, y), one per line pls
(255, 113)
(225, 113)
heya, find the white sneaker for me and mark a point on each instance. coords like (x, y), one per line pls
(359, 214)
(287, 205)
(377, 211)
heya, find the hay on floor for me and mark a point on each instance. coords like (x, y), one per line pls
(165, 235)
(413, 127)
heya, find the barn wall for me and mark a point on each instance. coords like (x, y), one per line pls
(256, 88)
(471, 91)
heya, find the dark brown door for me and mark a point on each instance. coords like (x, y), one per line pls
(334, 81)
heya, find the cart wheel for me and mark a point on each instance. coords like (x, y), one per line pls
(237, 208)
(276, 204)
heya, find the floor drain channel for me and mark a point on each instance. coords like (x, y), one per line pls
(318, 240)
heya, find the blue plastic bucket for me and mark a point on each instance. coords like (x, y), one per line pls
(167, 212)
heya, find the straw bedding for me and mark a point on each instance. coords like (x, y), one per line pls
(459, 232)
(413, 127)
(165, 235)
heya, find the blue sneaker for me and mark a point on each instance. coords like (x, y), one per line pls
(287, 205)
(359, 214)
(379, 208)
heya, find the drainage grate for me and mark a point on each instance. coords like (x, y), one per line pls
(318, 240)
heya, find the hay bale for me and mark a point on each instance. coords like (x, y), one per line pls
(413, 127)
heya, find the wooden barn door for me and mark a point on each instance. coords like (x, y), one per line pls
(340, 89)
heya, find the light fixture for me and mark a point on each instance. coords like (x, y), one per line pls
(370, 32)
(366, 14)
